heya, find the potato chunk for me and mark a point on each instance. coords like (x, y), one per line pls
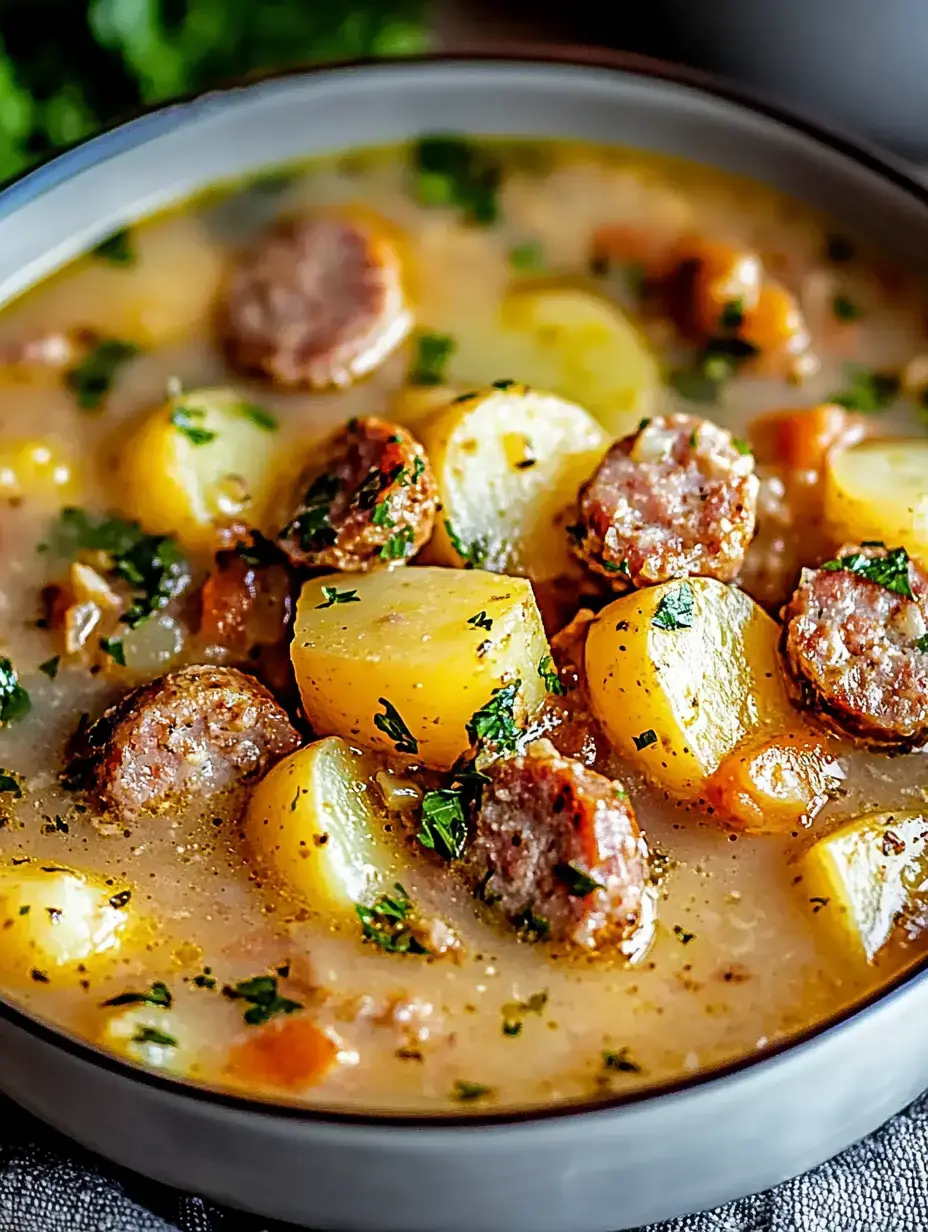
(868, 879)
(400, 661)
(879, 490)
(509, 463)
(316, 823)
(679, 674)
(572, 342)
(55, 919)
(205, 459)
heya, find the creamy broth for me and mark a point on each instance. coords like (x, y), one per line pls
(740, 959)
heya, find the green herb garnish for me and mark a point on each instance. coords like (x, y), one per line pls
(621, 1062)
(398, 545)
(515, 1011)
(549, 674)
(381, 515)
(116, 249)
(716, 364)
(890, 571)
(159, 994)
(263, 999)
(385, 923)
(451, 170)
(732, 315)
(741, 445)
(845, 309)
(867, 391)
(113, 647)
(393, 727)
(473, 556)
(675, 610)
(494, 723)
(531, 925)
(645, 739)
(260, 417)
(466, 1092)
(527, 258)
(151, 1035)
(444, 825)
(50, 666)
(682, 935)
(333, 595)
(15, 702)
(433, 351)
(10, 785)
(188, 420)
(91, 380)
(480, 621)
(312, 525)
(921, 643)
(578, 882)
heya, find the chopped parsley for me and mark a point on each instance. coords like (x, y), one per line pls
(205, 979)
(715, 364)
(385, 923)
(527, 258)
(117, 901)
(116, 249)
(890, 571)
(867, 390)
(621, 567)
(481, 621)
(682, 935)
(264, 1001)
(50, 666)
(381, 515)
(333, 595)
(645, 739)
(494, 723)
(10, 785)
(398, 545)
(452, 170)
(15, 702)
(621, 1062)
(515, 1011)
(531, 925)
(578, 882)
(113, 647)
(433, 351)
(675, 610)
(188, 420)
(91, 380)
(742, 446)
(393, 727)
(473, 556)
(159, 994)
(845, 309)
(466, 1092)
(549, 674)
(312, 525)
(921, 643)
(260, 417)
(444, 825)
(151, 1035)
(732, 315)
(818, 903)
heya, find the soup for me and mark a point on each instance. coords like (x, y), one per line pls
(465, 629)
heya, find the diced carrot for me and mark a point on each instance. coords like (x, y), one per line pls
(802, 438)
(776, 322)
(288, 1055)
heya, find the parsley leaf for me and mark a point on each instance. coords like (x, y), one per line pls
(466, 1092)
(682, 935)
(515, 1011)
(645, 739)
(675, 610)
(15, 702)
(867, 390)
(398, 545)
(527, 258)
(473, 556)
(621, 1062)
(333, 595)
(433, 351)
(385, 923)
(260, 417)
(393, 727)
(50, 666)
(732, 315)
(481, 621)
(845, 309)
(494, 723)
(451, 170)
(381, 515)
(549, 674)
(116, 249)
(444, 825)
(91, 380)
(263, 999)
(10, 785)
(531, 925)
(578, 882)
(312, 525)
(188, 421)
(151, 1035)
(716, 363)
(921, 643)
(159, 994)
(114, 648)
(890, 571)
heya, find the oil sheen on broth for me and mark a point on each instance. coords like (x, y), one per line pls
(635, 288)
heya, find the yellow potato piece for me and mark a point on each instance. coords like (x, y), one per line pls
(676, 701)
(879, 490)
(568, 341)
(39, 470)
(868, 879)
(406, 649)
(144, 1034)
(205, 459)
(55, 919)
(316, 823)
(509, 463)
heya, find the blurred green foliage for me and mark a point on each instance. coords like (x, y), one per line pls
(67, 67)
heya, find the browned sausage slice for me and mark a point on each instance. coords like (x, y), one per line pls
(370, 502)
(317, 302)
(558, 847)
(855, 641)
(677, 498)
(191, 734)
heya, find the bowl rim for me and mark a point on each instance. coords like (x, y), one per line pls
(159, 120)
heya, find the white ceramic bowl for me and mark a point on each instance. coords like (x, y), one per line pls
(626, 1162)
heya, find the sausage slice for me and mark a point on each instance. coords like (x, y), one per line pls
(557, 846)
(855, 642)
(371, 501)
(677, 498)
(191, 734)
(317, 302)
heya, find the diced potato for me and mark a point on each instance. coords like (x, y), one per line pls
(775, 782)
(205, 459)
(676, 701)
(879, 490)
(37, 469)
(316, 823)
(509, 464)
(869, 878)
(145, 1034)
(55, 919)
(571, 342)
(405, 651)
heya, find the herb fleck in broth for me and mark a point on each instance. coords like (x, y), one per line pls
(420, 989)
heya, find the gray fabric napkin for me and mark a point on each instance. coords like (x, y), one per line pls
(47, 1185)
